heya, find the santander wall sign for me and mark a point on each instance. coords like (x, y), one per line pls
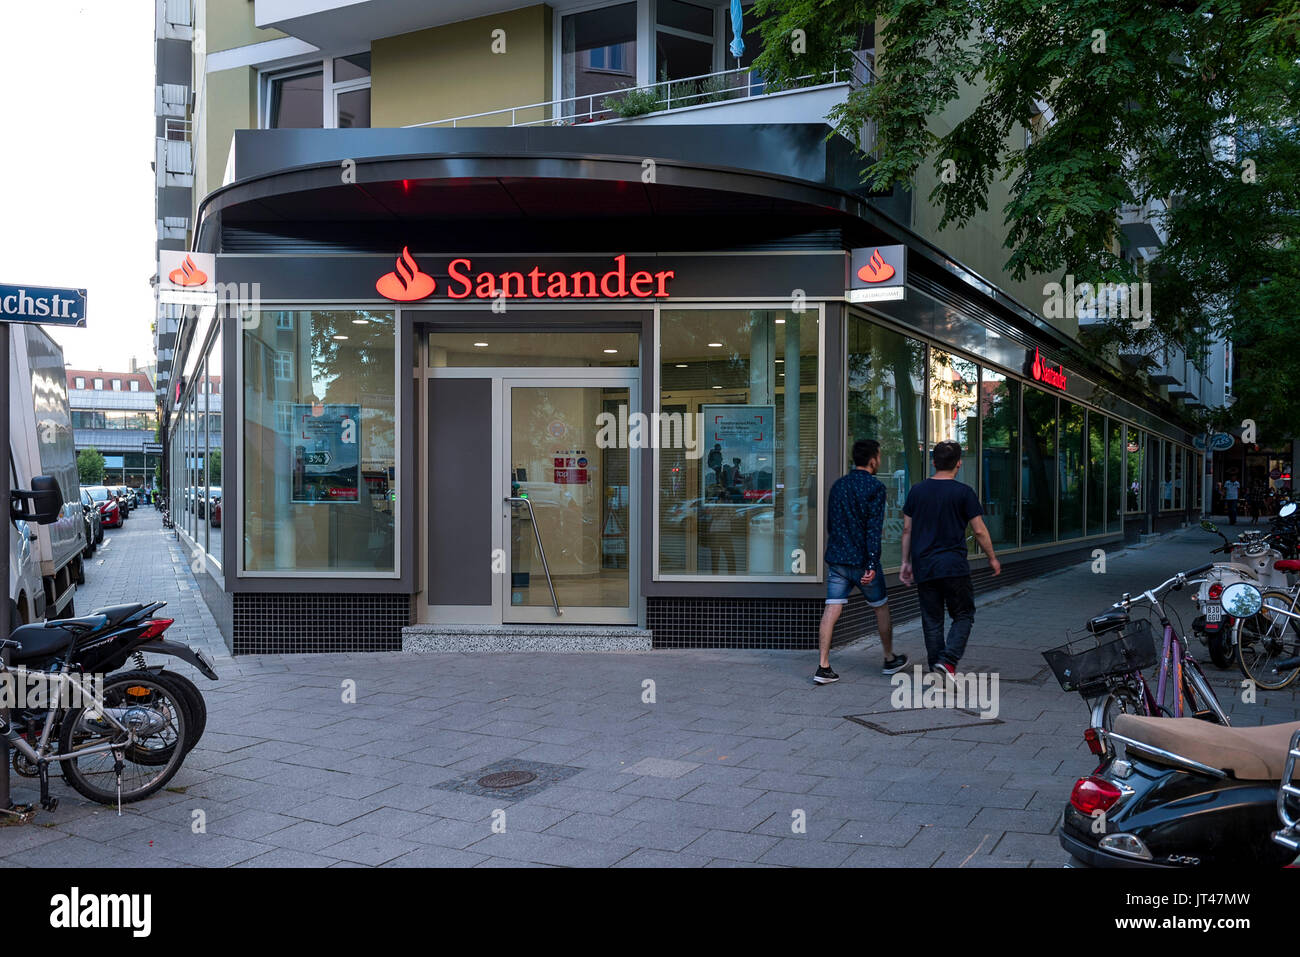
(407, 283)
(1046, 374)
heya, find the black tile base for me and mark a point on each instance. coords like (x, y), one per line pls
(264, 624)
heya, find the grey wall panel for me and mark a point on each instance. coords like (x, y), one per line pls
(460, 506)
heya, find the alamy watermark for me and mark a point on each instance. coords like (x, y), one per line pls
(652, 430)
(973, 690)
(23, 690)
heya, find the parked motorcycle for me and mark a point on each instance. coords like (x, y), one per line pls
(1186, 793)
(1252, 559)
(132, 741)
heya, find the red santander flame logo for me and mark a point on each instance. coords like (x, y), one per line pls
(188, 274)
(876, 269)
(1046, 374)
(407, 283)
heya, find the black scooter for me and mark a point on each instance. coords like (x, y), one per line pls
(1186, 792)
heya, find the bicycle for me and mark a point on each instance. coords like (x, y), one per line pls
(1110, 673)
(1265, 639)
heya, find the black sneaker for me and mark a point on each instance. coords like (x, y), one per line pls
(894, 665)
(825, 676)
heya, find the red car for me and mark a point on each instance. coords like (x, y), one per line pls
(215, 517)
(110, 512)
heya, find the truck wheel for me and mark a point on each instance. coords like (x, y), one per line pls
(81, 572)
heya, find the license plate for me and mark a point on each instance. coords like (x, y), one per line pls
(1213, 612)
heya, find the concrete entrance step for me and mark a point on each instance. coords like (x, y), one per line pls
(500, 638)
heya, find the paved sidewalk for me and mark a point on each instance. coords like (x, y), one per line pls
(736, 760)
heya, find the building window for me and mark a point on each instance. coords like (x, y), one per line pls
(350, 92)
(296, 100)
(1114, 475)
(1039, 467)
(597, 57)
(99, 383)
(135, 386)
(1072, 456)
(79, 382)
(684, 35)
(320, 495)
(1094, 464)
(1000, 455)
(117, 385)
(749, 499)
(886, 395)
(283, 362)
(284, 320)
(1135, 455)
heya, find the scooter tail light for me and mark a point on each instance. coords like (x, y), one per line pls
(1093, 793)
(1216, 590)
(156, 627)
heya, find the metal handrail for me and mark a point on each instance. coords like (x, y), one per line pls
(857, 71)
(532, 517)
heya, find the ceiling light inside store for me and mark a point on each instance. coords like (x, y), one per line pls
(480, 345)
(340, 338)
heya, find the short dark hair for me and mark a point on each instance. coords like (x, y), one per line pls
(946, 455)
(864, 450)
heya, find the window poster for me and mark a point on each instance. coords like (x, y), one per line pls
(740, 453)
(326, 453)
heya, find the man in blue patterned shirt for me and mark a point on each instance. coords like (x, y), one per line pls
(855, 517)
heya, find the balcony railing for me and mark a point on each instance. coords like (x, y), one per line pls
(726, 86)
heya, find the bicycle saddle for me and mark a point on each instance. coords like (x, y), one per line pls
(1249, 754)
(1108, 621)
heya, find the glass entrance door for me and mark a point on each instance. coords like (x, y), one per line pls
(570, 490)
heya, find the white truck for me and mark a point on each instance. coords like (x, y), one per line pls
(41, 443)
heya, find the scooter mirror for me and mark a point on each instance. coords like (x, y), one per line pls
(1287, 510)
(1209, 526)
(1241, 600)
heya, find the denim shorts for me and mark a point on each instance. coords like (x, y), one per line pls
(842, 579)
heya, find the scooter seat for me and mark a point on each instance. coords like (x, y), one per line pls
(116, 614)
(39, 642)
(1287, 565)
(1249, 754)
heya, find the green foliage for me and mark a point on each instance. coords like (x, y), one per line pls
(1124, 103)
(214, 467)
(90, 466)
(634, 102)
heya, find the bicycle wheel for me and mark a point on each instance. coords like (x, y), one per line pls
(1121, 700)
(148, 707)
(1265, 639)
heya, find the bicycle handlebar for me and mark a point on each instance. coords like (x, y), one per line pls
(1150, 594)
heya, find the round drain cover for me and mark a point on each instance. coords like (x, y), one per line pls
(507, 779)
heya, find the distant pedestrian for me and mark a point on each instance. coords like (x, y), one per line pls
(1255, 500)
(1231, 493)
(935, 516)
(855, 518)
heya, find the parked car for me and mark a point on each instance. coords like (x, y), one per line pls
(119, 494)
(110, 512)
(209, 499)
(94, 524)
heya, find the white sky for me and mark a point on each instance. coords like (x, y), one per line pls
(76, 190)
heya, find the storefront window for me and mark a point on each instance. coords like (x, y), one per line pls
(1168, 451)
(1000, 412)
(1114, 475)
(886, 392)
(1178, 476)
(1095, 464)
(320, 467)
(1038, 427)
(213, 512)
(746, 503)
(954, 388)
(1134, 457)
(1073, 457)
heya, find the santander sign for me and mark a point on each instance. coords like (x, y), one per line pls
(1046, 374)
(407, 283)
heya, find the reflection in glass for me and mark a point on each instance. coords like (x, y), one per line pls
(319, 442)
(1095, 465)
(1114, 475)
(1039, 469)
(1178, 476)
(1134, 454)
(748, 501)
(297, 102)
(1000, 411)
(1167, 455)
(597, 57)
(1072, 456)
(886, 394)
(214, 512)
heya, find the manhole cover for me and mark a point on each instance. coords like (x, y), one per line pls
(507, 779)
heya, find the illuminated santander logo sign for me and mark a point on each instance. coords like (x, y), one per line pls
(1046, 374)
(408, 284)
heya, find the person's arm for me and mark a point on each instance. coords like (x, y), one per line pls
(985, 542)
(905, 572)
(875, 527)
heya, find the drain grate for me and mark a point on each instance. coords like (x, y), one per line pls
(506, 779)
(919, 720)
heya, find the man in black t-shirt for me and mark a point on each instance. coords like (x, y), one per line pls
(935, 516)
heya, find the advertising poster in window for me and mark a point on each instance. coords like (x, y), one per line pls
(326, 453)
(740, 456)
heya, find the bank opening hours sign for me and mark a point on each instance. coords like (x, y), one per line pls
(326, 453)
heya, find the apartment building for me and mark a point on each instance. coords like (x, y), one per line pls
(552, 324)
(116, 413)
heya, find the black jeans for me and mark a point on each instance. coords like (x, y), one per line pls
(1232, 511)
(958, 596)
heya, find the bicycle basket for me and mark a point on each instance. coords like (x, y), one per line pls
(1087, 661)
